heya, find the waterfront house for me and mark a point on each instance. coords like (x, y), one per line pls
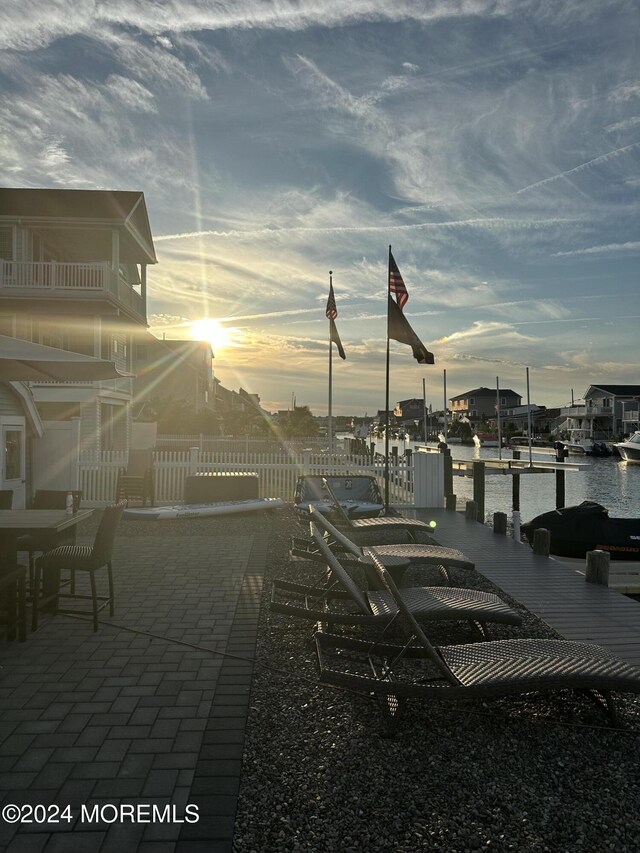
(479, 404)
(73, 275)
(608, 411)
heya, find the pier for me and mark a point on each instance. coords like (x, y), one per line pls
(554, 591)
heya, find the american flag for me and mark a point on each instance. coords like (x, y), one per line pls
(332, 311)
(396, 284)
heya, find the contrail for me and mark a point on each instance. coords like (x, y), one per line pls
(603, 158)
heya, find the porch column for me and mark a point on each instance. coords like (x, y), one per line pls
(143, 288)
(115, 250)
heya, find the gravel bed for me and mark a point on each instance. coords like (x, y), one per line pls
(521, 774)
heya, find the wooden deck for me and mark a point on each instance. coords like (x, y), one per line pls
(556, 592)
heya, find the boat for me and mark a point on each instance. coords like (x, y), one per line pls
(359, 495)
(587, 527)
(165, 513)
(629, 450)
(488, 439)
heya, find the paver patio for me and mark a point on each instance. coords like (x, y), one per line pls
(142, 712)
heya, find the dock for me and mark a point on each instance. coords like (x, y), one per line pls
(556, 592)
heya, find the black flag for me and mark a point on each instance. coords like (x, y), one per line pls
(335, 337)
(399, 329)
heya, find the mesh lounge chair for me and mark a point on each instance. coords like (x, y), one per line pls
(475, 671)
(377, 607)
(136, 481)
(373, 525)
(78, 558)
(396, 558)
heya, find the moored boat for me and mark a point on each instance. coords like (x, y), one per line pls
(629, 450)
(587, 527)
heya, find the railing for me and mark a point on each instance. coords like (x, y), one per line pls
(277, 472)
(55, 276)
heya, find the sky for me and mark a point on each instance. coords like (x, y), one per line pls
(495, 144)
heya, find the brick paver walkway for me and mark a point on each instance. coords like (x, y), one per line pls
(123, 717)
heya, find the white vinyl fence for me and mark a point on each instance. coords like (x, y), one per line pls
(414, 481)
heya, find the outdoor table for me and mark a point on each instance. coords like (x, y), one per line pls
(16, 522)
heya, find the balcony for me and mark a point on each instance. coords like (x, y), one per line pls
(53, 279)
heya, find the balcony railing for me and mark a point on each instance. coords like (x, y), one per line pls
(68, 279)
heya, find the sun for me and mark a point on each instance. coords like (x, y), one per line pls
(211, 330)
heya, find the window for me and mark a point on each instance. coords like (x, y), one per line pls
(471, 401)
(503, 401)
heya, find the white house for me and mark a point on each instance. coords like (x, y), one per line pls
(73, 275)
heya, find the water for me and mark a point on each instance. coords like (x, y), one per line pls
(609, 481)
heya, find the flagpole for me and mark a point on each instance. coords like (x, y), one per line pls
(444, 387)
(499, 420)
(424, 407)
(330, 421)
(386, 408)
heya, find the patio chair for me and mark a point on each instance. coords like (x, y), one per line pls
(396, 558)
(377, 607)
(136, 481)
(357, 526)
(78, 558)
(421, 670)
(33, 543)
(6, 498)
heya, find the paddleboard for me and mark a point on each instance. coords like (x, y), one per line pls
(160, 513)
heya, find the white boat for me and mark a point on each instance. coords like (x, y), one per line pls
(162, 513)
(630, 449)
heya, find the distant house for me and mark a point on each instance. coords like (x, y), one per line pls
(480, 403)
(73, 275)
(173, 370)
(410, 410)
(608, 411)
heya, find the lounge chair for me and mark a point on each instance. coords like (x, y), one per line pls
(471, 671)
(356, 526)
(377, 607)
(396, 558)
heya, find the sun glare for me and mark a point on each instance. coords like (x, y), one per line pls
(212, 331)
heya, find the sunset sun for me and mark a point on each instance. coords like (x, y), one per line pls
(211, 330)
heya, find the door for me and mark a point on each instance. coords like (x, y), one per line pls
(12, 468)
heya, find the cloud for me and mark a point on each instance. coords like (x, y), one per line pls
(625, 91)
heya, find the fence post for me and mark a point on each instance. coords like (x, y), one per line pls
(598, 567)
(193, 460)
(448, 472)
(478, 488)
(541, 542)
(560, 494)
(500, 523)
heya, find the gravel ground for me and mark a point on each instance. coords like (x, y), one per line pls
(527, 774)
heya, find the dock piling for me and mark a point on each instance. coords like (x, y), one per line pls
(541, 542)
(598, 567)
(500, 523)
